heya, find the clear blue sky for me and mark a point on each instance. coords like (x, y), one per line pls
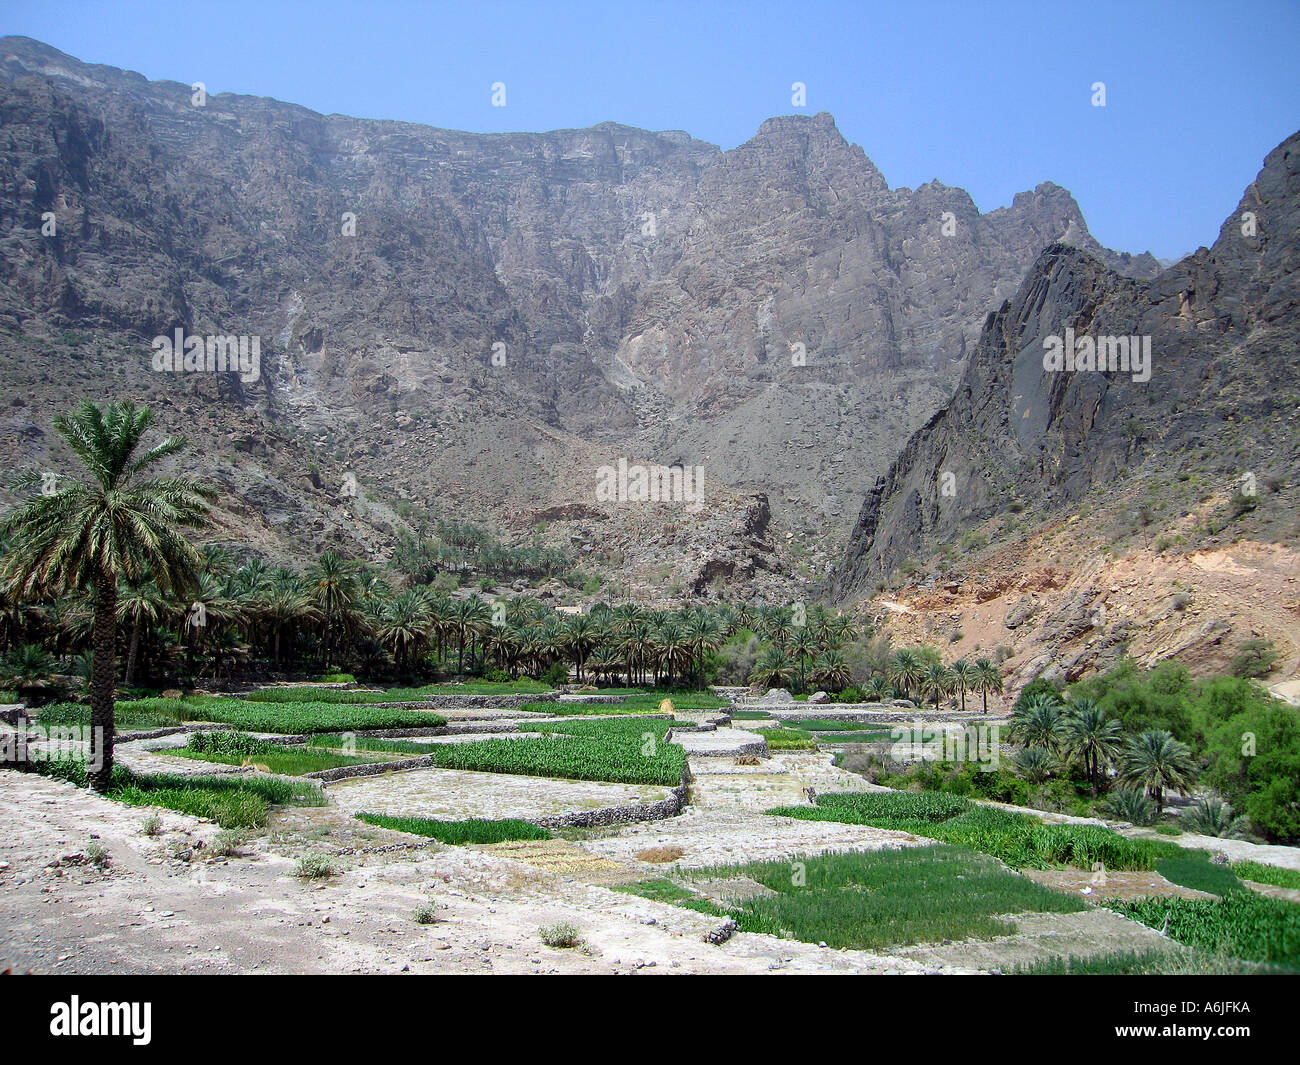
(992, 97)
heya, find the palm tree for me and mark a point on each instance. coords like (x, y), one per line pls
(936, 682)
(802, 646)
(334, 594)
(285, 602)
(401, 625)
(118, 524)
(965, 677)
(471, 618)
(579, 637)
(988, 678)
(704, 634)
(905, 671)
(141, 605)
(671, 643)
(832, 670)
(773, 668)
(877, 689)
(1092, 737)
(1159, 763)
(1040, 723)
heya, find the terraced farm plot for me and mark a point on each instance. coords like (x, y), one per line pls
(285, 718)
(460, 795)
(1018, 839)
(631, 753)
(475, 830)
(875, 900)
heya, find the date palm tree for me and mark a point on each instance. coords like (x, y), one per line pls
(1040, 722)
(334, 593)
(831, 670)
(704, 634)
(905, 671)
(965, 677)
(988, 678)
(401, 624)
(285, 601)
(773, 669)
(141, 605)
(1158, 762)
(936, 682)
(1092, 737)
(118, 524)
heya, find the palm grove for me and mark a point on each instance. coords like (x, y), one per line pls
(104, 572)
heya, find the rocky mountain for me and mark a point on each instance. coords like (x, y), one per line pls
(473, 324)
(1182, 470)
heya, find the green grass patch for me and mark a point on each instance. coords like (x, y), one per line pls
(634, 754)
(817, 724)
(346, 740)
(524, 686)
(624, 729)
(232, 802)
(559, 709)
(1020, 840)
(661, 889)
(855, 737)
(230, 809)
(1139, 963)
(460, 832)
(137, 714)
(1199, 874)
(789, 739)
(1241, 924)
(750, 715)
(296, 718)
(887, 898)
(330, 696)
(237, 748)
(1267, 874)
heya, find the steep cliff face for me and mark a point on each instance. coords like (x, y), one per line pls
(478, 321)
(1221, 406)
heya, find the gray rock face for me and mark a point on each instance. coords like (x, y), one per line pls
(1221, 402)
(775, 313)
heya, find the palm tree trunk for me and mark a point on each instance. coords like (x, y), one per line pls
(103, 679)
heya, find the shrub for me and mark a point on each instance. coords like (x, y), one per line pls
(562, 935)
(556, 674)
(152, 825)
(315, 867)
(1213, 817)
(1254, 658)
(426, 914)
(1130, 804)
(227, 842)
(1035, 764)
